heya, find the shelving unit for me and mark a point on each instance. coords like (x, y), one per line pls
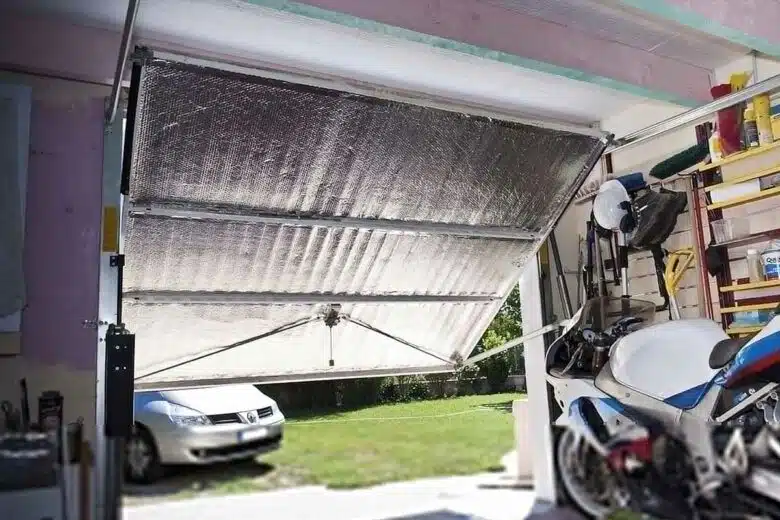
(741, 156)
(743, 331)
(732, 295)
(738, 201)
(749, 286)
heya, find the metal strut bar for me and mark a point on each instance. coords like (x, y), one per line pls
(277, 330)
(124, 51)
(515, 342)
(697, 115)
(418, 348)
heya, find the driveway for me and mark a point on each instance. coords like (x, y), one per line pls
(480, 497)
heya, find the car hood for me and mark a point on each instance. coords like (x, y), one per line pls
(219, 399)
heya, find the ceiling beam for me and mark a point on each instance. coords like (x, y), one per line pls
(494, 32)
(151, 297)
(400, 226)
(752, 24)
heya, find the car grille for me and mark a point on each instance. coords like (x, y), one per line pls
(265, 412)
(224, 418)
(237, 448)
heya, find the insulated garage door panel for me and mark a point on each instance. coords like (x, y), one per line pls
(182, 332)
(215, 138)
(209, 145)
(193, 255)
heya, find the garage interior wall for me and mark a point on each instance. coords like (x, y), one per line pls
(639, 158)
(58, 352)
(642, 157)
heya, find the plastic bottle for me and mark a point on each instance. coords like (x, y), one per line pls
(751, 128)
(716, 152)
(755, 271)
(763, 119)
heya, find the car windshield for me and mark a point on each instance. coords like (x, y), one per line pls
(601, 313)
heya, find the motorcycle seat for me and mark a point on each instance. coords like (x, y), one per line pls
(725, 350)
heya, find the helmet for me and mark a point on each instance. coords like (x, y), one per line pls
(612, 207)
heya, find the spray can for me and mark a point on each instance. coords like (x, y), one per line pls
(751, 128)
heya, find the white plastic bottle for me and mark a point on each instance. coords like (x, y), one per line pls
(755, 271)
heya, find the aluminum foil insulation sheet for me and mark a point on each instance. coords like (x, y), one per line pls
(215, 153)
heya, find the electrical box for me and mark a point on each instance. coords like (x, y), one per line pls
(119, 375)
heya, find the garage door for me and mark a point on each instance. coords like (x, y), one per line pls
(282, 232)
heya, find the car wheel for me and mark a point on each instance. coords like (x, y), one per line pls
(142, 461)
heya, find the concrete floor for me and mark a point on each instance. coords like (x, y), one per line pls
(480, 497)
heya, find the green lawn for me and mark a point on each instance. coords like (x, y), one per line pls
(457, 436)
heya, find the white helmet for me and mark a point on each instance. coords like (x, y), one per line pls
(612, 206)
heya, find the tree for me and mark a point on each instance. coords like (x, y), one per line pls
(506, 326)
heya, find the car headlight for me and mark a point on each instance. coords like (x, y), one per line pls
(183, 416)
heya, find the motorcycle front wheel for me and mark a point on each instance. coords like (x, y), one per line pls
(585, 476)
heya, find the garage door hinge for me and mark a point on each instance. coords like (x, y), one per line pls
(141, 54)
(117, 261)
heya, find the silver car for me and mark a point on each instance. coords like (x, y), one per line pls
(200, 426)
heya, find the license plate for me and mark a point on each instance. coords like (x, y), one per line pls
(251, 435)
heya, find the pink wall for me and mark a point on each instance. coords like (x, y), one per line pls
(64, 191)
(753, 17)
(493, 27)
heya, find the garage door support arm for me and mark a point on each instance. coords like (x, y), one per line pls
(124, 52)
(515, 342)
(277, 330)
(418, 348)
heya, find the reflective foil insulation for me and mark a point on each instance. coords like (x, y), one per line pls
(219, 143)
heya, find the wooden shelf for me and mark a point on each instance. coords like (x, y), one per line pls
(745, 178)
(738, 201)
(750, 286)
(739, 156)
(744, 308)
(737, 331)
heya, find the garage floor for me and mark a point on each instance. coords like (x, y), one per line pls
(480, 497)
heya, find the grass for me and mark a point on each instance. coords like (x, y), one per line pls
(375, 445)
(458, 436)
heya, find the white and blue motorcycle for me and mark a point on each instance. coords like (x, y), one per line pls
(673, 419)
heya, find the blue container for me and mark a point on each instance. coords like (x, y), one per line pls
(633, 181)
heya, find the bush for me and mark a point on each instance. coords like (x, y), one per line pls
(496, 370)
(388, 391)
(416, 389)
(437, 384)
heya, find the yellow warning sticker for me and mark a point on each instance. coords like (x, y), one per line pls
(110, 229)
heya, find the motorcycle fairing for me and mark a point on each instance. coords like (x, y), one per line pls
(760, 354)
(688, 399)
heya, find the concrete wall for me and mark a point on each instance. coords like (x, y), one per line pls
(64, 189)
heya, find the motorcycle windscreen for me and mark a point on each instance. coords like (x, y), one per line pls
(254, 204)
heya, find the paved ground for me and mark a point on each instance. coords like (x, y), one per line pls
(480, 497)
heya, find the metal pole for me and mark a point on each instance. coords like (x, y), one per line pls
(563, 289)
(124, 51)
(600, 286)
(697, 115)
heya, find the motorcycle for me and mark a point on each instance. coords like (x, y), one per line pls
(674, 420)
